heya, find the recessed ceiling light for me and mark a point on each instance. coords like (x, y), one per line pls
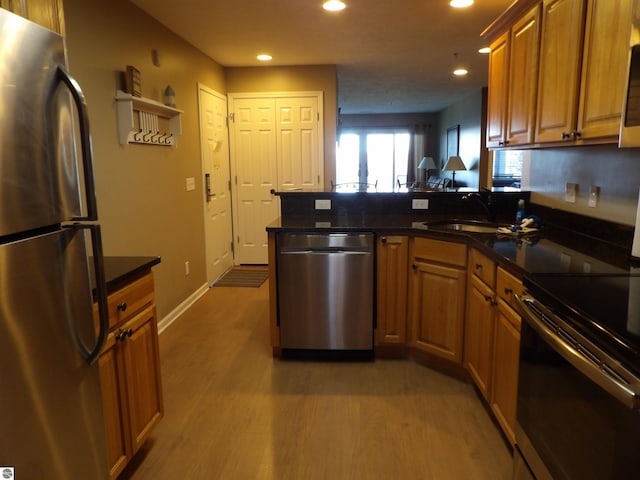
(484, 50)
(460, 72)
(263, 57)
(461, 3)
(334, 5)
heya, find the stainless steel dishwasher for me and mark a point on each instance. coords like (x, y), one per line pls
(325, 290)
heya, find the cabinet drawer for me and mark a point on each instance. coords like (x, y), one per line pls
(482, 267)
(440, 251)
(126, 302)
(507, 286)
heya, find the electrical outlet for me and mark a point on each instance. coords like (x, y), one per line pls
(571, 192)
(420, 204)
(594, 196)
(323, 204)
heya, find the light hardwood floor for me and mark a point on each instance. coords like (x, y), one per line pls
(234, 412)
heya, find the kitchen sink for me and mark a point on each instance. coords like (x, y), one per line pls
(471, 226)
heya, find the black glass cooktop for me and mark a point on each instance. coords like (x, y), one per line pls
(604, 308)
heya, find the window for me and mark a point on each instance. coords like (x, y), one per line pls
(507, 168)
(370, 156)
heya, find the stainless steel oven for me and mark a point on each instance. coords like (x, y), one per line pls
(579, 379)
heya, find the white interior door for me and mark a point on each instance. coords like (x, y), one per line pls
(253, 150)
(298, 141)
(216, 179)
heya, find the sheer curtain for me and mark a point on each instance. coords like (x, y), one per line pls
(417, 150)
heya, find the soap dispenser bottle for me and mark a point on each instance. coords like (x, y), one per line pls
(520, 212)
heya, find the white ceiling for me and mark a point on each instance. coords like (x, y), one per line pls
(392, 56)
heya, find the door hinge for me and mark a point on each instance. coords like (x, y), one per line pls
(236, 179)
(233, 248)
(318, 115)
(229, 182)
(232, 117)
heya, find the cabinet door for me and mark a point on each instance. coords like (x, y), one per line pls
(142, 375)
(604, 67)
(504, 387)
(497, 96)
(437, 309)
(479, 334)
(559, 70)
(393, 258)
(115, 407)
(523, 72)
(47, 13)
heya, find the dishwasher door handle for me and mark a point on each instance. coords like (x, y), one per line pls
(325, 252)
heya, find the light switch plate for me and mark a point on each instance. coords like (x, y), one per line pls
(420, 203)
(191, 184)
(323, 204)
(570, 192)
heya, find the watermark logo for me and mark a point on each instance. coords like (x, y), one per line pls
(7, 473)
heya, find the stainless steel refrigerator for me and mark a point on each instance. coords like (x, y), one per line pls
(51, 418)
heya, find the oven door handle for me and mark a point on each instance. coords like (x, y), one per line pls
(628, 394)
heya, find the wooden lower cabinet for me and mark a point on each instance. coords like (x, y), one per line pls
(436, 297)
(506, 353)
(479, 334)
(130, 375)
(392, 267)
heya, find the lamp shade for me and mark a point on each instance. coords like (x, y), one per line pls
(427, 163)
(454, 163)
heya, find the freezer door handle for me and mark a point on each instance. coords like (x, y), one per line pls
(85, 141)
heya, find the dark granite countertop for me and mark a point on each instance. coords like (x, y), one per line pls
(119, 271)
(550, 250)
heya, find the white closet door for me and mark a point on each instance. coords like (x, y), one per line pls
(254, 158)
(297, 145)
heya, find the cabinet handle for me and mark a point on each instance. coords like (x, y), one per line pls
(129, 332)
(383, 240)
(414, 266)
(487, 298)
(478, 266)
(508, 291)
(575, 134)
(566, 136)
(122, 306)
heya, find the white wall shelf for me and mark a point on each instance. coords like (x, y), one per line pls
(147, 122)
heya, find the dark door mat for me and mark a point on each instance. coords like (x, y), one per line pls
(242, 277)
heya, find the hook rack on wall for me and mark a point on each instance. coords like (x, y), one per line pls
(145, 121)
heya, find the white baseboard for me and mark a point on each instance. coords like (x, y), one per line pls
(180, 309)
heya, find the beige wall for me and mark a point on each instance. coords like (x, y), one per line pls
(468, 114)
(143, 205)
(295, 79)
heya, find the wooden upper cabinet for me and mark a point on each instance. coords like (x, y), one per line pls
(497, 98)
(523, 78)
(604, 68)
(513, 70)
(583, 63)
(560, 57)
(48, 13)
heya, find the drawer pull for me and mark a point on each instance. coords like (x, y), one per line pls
(122, 306)
(508, 291)
(123, 334)
(478, 266)
(414, 266)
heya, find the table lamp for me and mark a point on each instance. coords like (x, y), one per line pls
(454, 163)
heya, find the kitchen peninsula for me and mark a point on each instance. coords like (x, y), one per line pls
(446, 297)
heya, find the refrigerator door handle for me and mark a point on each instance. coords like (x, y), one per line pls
(85, 141)
(90, 355)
